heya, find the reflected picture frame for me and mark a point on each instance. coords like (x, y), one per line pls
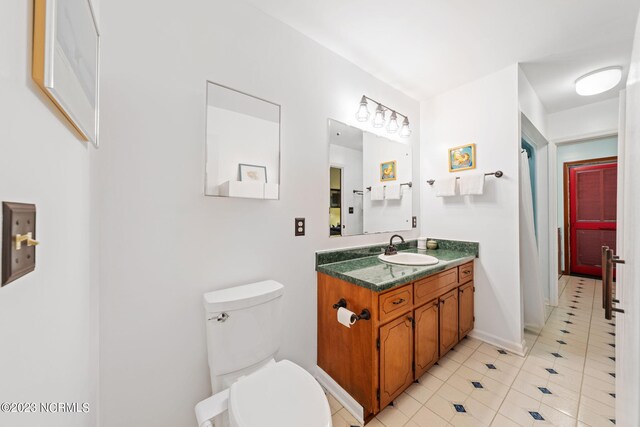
(252, 173)
(462, 158)
(66, 61)
(388, 171)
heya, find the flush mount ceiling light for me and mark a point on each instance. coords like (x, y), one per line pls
(598, 81)
(379, 118)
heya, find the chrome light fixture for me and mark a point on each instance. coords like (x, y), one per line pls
(405, 131)
(363, 111)
(598, 81)
(379, 118)
(392, 126)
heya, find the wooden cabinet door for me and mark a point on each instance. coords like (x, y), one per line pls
(448, 321)
(465, 307)
(396, 354)
(426, 337)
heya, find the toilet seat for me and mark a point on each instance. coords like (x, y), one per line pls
(280, 395)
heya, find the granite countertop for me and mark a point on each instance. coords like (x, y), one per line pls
(359, 267)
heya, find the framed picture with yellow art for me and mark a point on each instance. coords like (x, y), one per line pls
(462, 158)
(66, 46)
(388, 171)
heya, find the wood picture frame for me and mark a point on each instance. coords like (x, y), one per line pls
(66, 52)
(388, 171)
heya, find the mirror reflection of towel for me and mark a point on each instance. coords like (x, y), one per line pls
(393, 192)
(377, 192)
(472, 184)
(445, 187)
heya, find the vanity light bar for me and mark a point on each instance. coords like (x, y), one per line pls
(379, 118)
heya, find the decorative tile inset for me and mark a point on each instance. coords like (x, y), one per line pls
(477, 384)
(573, 307)
(552, 371)
(564, 331)
(613, 374)
(561, 342)
(459, 408)
(571, 314)
(536, 416)
(544, 390)
(612, 324)
(556, 354)
(491, 366)
(612, 395)
(612, 345)
(612, 358)
(613, 334)
(613, 420)
(568, 322)
(501, 351)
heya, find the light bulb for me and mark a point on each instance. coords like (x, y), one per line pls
(392, 126)
(405, 132)
(363, 112)
(378, 119)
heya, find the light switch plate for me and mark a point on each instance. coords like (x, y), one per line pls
(17, 218)
(414, 222)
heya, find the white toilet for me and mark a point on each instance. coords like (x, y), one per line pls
(251, 389)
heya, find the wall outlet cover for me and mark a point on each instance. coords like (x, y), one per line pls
(300, 226)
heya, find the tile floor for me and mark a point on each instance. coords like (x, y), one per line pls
(566, 379)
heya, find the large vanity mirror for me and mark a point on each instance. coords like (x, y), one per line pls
(242, 145)
(370, 182)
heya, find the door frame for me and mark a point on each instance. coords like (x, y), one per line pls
(567, 201)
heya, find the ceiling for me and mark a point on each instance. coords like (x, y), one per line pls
(426, 47)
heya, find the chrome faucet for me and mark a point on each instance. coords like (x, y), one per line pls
(391, 249)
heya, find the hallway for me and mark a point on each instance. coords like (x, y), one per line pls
(566, 379)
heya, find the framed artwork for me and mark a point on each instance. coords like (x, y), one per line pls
(462, 158)
(388, 171)
(252, 173)
(66, 47)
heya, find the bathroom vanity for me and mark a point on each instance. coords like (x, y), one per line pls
(417, 314)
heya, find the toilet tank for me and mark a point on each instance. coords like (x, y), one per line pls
(244, 329)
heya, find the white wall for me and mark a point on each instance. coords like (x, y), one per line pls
(530, 104)
(571, 152)
(485, 112)
(48, 319)
(350, 161)
(383, 215)
(163, 243)
(588, 121)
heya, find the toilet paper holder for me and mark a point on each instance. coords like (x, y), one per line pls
(365, 314)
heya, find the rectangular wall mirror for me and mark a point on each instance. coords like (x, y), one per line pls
(370, 182)
(242, 145)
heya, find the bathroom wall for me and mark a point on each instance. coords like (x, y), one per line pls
(163, 244)
(588, 121)
(48, 319)
(350, 162)
(594, 149)
(485, 112)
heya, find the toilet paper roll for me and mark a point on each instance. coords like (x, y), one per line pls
(346, 317)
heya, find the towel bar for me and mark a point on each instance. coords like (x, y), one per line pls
(497, 174)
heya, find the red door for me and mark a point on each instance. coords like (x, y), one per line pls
(592, 193)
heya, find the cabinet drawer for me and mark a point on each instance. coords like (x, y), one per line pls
(395, 302)
(434, 286)
(465, 273)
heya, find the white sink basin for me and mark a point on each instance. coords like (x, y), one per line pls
(406, 258)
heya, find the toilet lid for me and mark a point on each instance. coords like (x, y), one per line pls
(280, 395)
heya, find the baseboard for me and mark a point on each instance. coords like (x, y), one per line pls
(517, 348)
(345, 399)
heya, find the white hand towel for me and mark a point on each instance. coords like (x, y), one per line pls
(393, 192)
(472, 184)
(445, 187)
(377, 192)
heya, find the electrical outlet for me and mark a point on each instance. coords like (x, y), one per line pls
(300, 226)
(350, 209)
(415, 222)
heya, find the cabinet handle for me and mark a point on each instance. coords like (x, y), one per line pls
(462, 291)
(437, 303)
(466, 271)
(400, 301)
(410, 319)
